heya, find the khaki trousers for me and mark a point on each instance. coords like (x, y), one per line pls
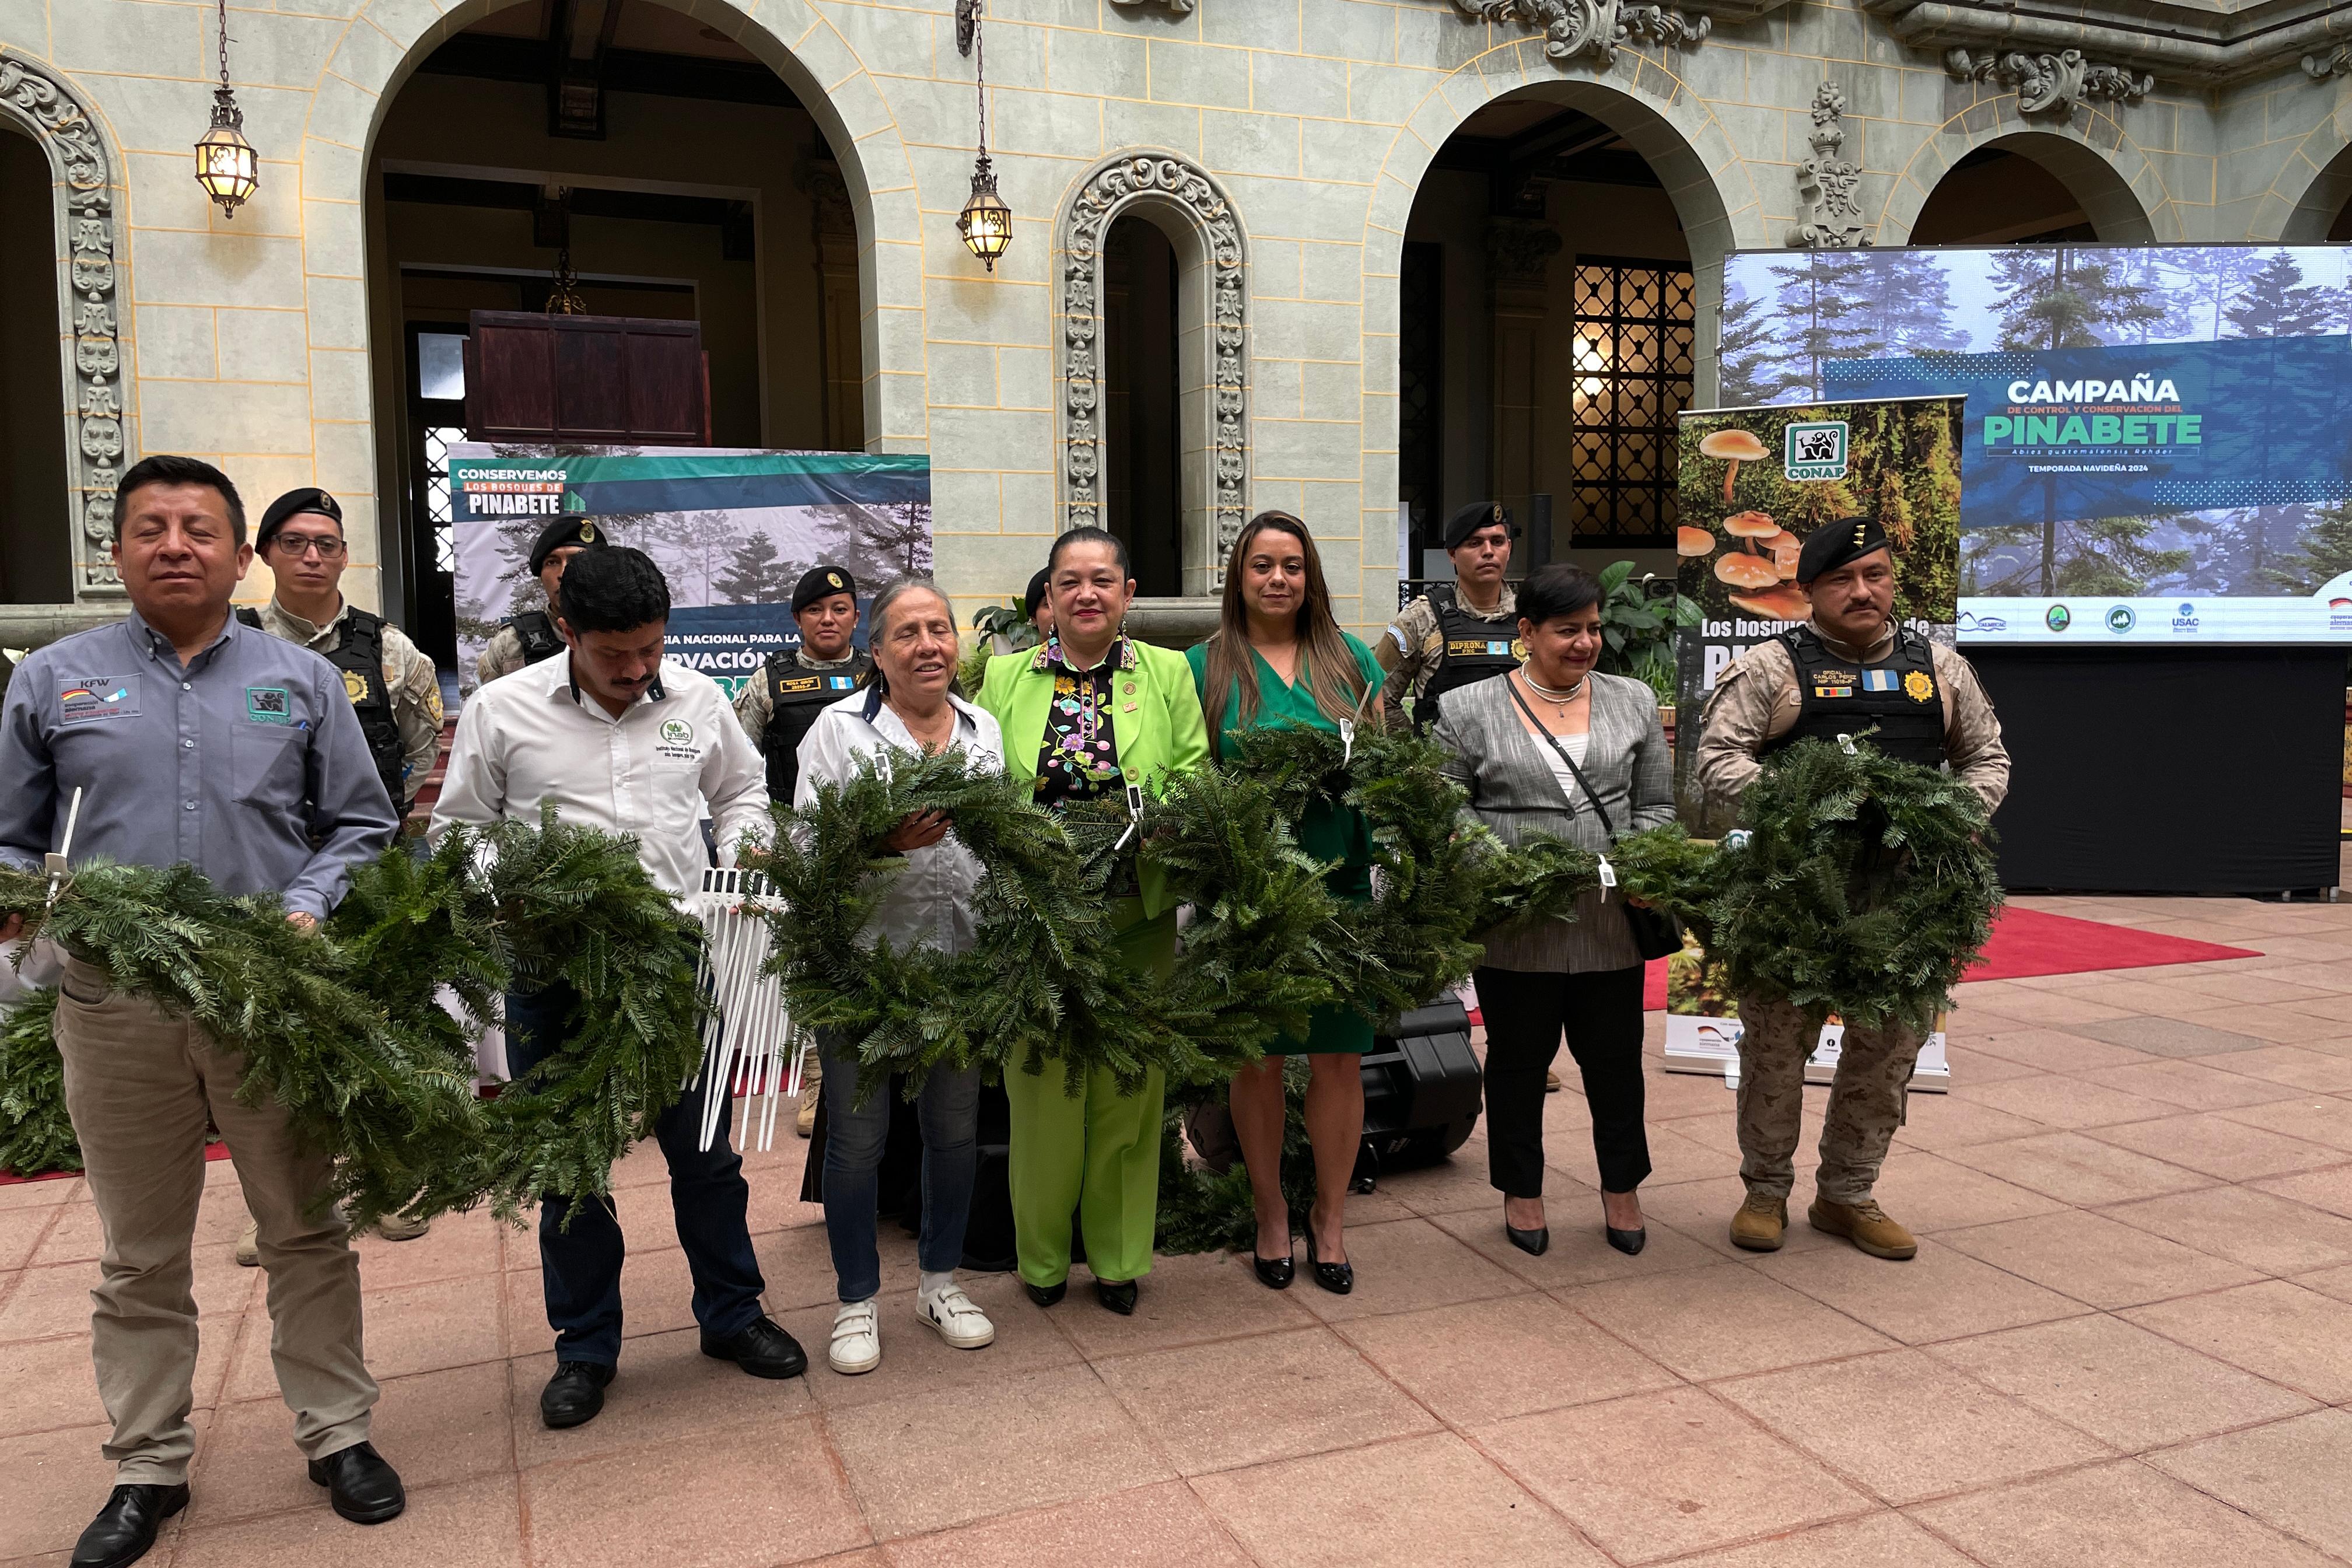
(140, 1086)
(1866, 1100)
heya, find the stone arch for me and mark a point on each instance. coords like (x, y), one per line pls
(2119, 186)
(2302, 202)
(88, 219)
(1187, 205)
(386, 40)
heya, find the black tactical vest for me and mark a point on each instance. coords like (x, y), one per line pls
(358, 655)
(1901, 697)
(1473, 650)
(797, 695)
(535, 629)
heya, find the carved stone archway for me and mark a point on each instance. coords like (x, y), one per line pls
(88, 223)
(1189, 204)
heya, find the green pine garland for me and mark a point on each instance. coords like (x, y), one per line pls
(342, 1026)
(1203, 1210)
(1864, 889)
(35, 1134)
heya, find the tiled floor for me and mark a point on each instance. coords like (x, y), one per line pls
(2126, 1341)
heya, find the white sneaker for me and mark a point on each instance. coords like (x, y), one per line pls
(952, 1312)
(856, 1339)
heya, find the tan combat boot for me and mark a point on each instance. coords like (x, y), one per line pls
(1866, 1225)
(248, 1243)
(1761, 1223)
(400, 1227)
(812, 1082)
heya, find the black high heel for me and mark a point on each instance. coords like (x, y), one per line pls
(1117, 1295)
(1340, 1278)
(1047, 1295)
(1628, 1242)
(1274, 1273)
(1534, 1243)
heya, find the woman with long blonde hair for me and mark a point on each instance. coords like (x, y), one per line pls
(1280, 658)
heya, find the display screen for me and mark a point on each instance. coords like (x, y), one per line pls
(2157, 440)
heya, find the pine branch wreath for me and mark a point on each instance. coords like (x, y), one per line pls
(36, 1134)
(1865, 887)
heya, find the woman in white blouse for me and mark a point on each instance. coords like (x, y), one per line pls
(909, 708)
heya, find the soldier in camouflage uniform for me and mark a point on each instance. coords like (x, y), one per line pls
(1849, 669)
(1459, 632)
(531, 635)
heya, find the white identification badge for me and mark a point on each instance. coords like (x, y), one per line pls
(1608, 874)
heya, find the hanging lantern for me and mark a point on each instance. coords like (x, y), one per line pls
(985, 223)
(226, 165)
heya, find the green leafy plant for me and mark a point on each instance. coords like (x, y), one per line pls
(1637, 632)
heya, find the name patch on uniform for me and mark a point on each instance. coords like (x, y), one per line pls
(1487, 648)
(1836, 678)
(267, 705)
(1878, 681)
(798, 683)
(97, 697)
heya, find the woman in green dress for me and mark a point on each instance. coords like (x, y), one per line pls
(1280, 658)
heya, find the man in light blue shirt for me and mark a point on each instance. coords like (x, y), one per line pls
(194, 738)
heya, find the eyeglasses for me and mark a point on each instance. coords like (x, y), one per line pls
(299, 544)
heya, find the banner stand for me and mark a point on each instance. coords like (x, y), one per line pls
(1701, 1045)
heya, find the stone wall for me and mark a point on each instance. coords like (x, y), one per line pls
(1292, 134)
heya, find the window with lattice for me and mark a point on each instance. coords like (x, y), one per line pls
(438, 439)
(1633, 348)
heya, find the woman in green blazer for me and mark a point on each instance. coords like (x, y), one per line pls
(1280, 658)
(1088, 713)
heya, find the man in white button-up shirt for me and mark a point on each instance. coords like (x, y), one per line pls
(619, 739)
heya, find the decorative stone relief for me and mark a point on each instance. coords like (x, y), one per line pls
(1178, 183)
(1826, 183)
(1593, 28)
(49, 109)
(2052, 84)
(1519, 249)
(2336, 61)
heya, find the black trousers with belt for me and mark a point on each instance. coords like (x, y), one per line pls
(1525, 1014)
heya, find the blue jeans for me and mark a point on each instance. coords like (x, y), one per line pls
(580, 1266)
(948, 1112)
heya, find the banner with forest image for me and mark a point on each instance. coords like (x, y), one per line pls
(733, 531)
(2158, 440)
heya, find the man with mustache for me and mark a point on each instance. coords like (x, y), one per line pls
(622, 740)
(1850, 668)
(193, 737)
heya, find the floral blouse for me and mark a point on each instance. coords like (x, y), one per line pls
(1078, 758)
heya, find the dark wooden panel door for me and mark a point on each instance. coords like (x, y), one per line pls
(594, 380)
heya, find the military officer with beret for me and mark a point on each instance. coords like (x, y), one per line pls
(1458, 632)
(778, 706)
(1850, 668)
(531, 635)
(394, 688)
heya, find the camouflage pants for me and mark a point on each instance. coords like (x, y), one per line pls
(1866, 1100)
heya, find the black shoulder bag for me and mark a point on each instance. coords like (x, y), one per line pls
(1657, 934)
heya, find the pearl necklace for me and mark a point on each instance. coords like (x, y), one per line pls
(1560, 699)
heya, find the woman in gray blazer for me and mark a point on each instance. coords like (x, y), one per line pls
(1505, 738)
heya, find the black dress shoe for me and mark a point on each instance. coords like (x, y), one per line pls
(1627, 1241)
(1336, 1278)
(1274, 1273)
(763, 1350)
(1118, 1297)
(125, 1528)
(362, 1487)
(1047, 1295)
(1534, 1243)
(574, 1394)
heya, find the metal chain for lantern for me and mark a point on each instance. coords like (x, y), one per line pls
(226, 165)
(985, 223)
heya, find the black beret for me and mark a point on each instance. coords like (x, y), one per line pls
(1036, 595)
(294, 503)
(1478, 514)
(581, 531)
(1833, 544)
(823, 583)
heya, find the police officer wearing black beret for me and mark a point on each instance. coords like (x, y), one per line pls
(1458, 632)
(531, 636)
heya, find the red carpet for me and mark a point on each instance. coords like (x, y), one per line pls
(10, 1178)
(2026, 942)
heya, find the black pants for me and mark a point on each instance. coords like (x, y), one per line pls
(1525, 1014)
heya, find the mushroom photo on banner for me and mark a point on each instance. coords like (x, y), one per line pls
(1693, 541)
(1735, 446)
